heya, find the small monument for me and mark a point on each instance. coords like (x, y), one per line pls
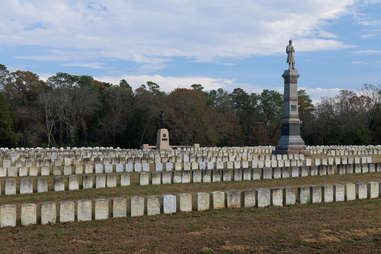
(162, 135)
(290, 140)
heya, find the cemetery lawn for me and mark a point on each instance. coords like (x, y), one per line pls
(135, 189)
(345, 227)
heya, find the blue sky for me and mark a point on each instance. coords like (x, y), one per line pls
(176, 43)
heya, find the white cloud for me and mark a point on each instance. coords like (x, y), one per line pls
(95, 65)
(359, 62)
(152, 31)
(169, 83)
(368, 52)
(365, 36)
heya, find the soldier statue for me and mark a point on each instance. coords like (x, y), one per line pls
(290, 56)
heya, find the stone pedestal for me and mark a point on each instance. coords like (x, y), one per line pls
(162, 139)
(290, 141)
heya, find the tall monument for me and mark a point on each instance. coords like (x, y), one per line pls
(162, 135)
(290, 141)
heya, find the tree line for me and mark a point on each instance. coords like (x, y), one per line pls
(73, 110)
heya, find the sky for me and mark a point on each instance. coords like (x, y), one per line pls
(217, 43)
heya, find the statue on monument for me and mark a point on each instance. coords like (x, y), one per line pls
(290, 56)
(161, 120)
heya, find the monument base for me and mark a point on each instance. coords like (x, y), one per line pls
(162, 139)
(292, 149)
(291, 144)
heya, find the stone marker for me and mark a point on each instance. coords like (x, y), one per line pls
(218, 199)
(277, 197)
(48, 213)
(184, 202)
(84, 210)
(362, 192)
(364, 168)
(119, 167)
(100, 181)
(177, 176)
(136, 206)
(66, 211)
(168, 166)
(144, 178)
(12, 171)
(101, 206)
(206, 176)
(197, 176)
(166, 177)
(23, 171)
(314, 171)
(216, 175)
(277, 173)
(316, 194)
(8, 215)
(373, 190)
(357, 168)
(202, 201)
(290, 195)
(169, 204)
(249, 199)
(350, 191)
(257, 173)
(227, 175)
(119, 207)
(73, 182)
(59, 183)
(98, 168)
(233, 199)
(322, 170)
(247, 174)
(304, 195)
(328, 193)
(153, 205)
(186, 177)
(68, 170)
(295, 171)
(339, 190)
(26, 185)
(111, 181)
(372, 167)
(138, 167)
(237, 175)
(145, 167)
(304, 171)
(10, 186)
(108, 168)
(349, 169)
(124, 179)
(42, 184)
(285, 172)
(87, 182)
(78, 170)
(263, 197)
(156, 178)
(28, 214)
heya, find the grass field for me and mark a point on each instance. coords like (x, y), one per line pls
(346, 227)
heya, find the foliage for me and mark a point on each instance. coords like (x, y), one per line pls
(74, 110)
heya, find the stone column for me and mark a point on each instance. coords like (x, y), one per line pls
(290, 141)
